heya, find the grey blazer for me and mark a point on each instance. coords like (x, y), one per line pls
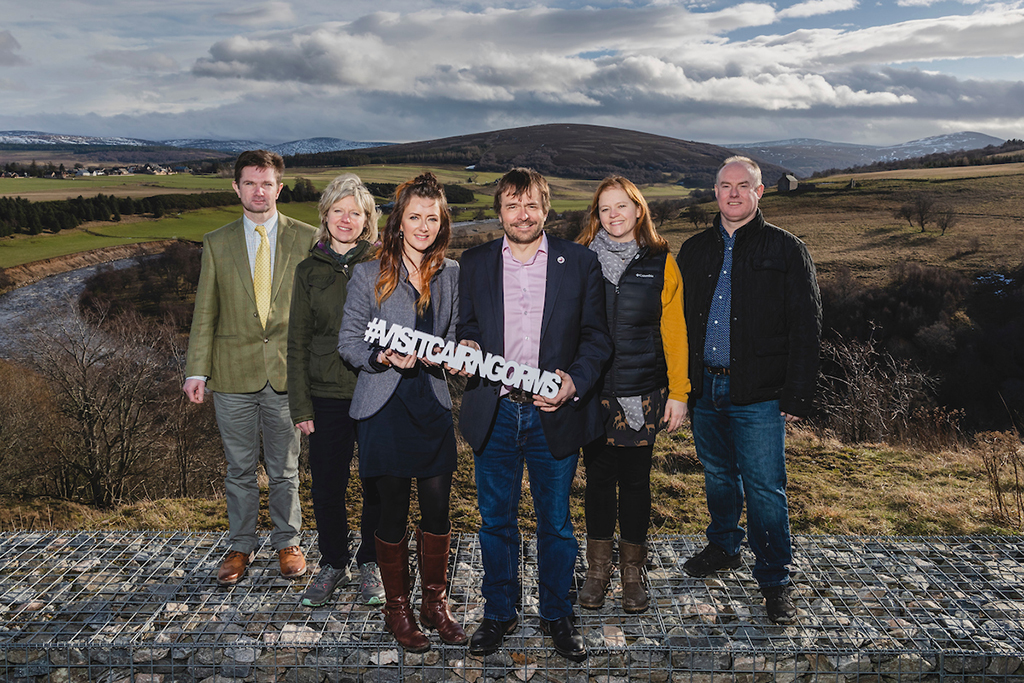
(375, 386)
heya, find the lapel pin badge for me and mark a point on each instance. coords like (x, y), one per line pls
(561, 259)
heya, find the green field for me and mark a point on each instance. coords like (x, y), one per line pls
(191, 225)
(567, 195)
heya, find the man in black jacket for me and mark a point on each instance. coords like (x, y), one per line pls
(753, 316)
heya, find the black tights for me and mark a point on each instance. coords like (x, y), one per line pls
(628, 469)
(395, 493)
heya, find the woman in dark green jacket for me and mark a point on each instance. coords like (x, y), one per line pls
(320, 385)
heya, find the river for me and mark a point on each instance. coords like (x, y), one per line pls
(24, 308)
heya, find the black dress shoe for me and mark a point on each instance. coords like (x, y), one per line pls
(489, 634)
(567, 640)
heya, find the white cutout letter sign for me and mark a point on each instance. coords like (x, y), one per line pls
(458, 357)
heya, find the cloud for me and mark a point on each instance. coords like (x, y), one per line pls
(652, 53)
(138, 60)
(406, 71)
(265, 14)
(8, 45)
(811, 8)
(929, 3)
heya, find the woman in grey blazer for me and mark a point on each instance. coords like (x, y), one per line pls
(402, 405)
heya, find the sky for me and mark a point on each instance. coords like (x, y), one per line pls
(856, 71)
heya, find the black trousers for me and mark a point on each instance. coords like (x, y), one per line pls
(618, 489)
(330, 460)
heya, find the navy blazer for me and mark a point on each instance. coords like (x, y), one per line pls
(573, 338)
(376, 384)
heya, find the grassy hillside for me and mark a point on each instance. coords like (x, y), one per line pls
(842, 226)
(856, 228)
(567, 150)
(833, 489)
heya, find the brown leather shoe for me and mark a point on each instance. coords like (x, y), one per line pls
(292, 562)
(233, 567)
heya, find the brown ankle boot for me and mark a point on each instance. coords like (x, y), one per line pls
(599, 571)
(632, 558)
(393, 560)
(434, 611)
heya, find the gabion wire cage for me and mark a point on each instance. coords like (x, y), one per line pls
(145, 607)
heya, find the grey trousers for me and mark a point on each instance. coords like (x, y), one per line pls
(241, 419)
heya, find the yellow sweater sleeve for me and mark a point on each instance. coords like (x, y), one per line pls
(673, 332)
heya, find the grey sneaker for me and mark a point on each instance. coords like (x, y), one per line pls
(319, 590)
(371, 588)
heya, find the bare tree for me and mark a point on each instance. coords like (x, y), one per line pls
(190, 429)
(106, 377)
(662, 211)
(25, 418)
(920, 209)
(867, 395)
(905, 213)
(923, 210)
(945, 218)
(699, 215)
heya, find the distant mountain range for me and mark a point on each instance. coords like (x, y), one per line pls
(571, 150)
(804, 156)
(308, 146)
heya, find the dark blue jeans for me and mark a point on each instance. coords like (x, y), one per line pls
(518, 439)
(330, 458)
(743, 450)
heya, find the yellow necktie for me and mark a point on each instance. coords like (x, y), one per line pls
(261, 276)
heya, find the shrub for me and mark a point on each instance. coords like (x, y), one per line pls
(1004, 467)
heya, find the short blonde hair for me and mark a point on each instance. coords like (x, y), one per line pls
(348, 185)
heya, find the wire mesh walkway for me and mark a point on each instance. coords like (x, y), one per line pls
(145, 607)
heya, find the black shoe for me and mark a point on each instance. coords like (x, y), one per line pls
(567, 640)
(778, 601)
(489, 634)
(710, 560)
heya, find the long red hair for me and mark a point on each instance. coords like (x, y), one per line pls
(425, 186)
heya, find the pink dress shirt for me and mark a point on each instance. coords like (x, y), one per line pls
(523, 288)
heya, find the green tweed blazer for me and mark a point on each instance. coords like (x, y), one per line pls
(227, 344)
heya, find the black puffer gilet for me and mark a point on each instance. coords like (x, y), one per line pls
(634, 319)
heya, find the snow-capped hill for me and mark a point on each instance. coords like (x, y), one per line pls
(952, 142)
(32, 137)
(794, 142)
(316, 145)
(231, 146)
(806, 156)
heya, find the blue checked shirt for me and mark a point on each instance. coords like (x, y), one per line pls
(716, 341)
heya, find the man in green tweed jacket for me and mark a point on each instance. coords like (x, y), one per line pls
(237, 350)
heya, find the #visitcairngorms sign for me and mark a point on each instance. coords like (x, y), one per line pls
(460, 357)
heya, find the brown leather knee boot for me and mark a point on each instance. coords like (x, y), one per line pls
(434, 611)
(599, 571)
(393, 560)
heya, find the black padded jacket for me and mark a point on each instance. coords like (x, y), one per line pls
(775, 328)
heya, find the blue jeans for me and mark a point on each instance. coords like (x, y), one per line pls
(743, 450)
(518, 439)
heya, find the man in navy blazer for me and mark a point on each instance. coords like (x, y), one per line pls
(539, 301)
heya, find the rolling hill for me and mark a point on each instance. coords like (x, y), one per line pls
(566, 150)
(805, 156)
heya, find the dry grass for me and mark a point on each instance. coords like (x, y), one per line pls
(833, 489)
(855, 227)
